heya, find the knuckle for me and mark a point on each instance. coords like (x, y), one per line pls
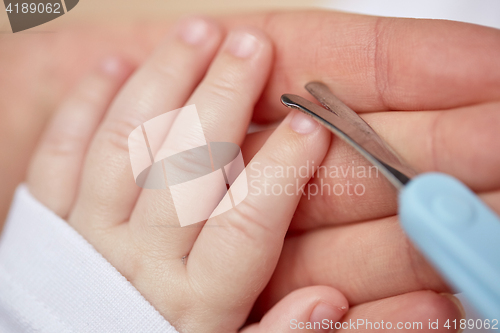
(275, 159)
(117, 131)
(62, 142)
(190, 164)
(165, 71)
(417, 265)
(222, 88)
(247, 222)
(92, 92)
(278, 157)
(381, 67)
(66, 136)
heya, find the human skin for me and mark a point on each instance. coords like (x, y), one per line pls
(373, 65)
(82, 172)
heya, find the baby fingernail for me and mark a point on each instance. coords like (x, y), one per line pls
(242, 44)
(321, 316)
(302, 123)
(193, 30)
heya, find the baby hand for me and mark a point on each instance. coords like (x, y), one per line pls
(203, 277)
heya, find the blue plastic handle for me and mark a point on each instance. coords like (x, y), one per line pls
(458, 234)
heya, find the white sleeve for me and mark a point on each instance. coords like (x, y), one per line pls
(52, 280)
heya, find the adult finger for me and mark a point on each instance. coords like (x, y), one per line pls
(373, 63)
(365, 261)
(312, 309)
(346, 188)
(422, 311)
(54, 173)
(108, 192)
(251, 234)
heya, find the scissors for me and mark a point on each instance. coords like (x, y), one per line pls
(457, 232)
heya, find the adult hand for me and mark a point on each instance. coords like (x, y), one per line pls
(431, 89)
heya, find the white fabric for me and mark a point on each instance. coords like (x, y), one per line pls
(53, 280)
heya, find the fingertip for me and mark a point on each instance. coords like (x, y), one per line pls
(330, 307)
(415, 310)
(429, 304)
(317, 308)
(303, 124)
